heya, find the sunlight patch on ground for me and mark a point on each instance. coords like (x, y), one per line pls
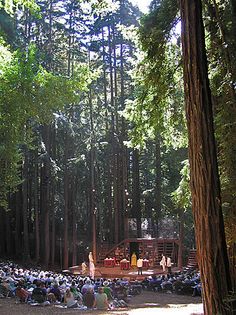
(174, 309)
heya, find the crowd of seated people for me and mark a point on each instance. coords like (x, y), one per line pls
(38, 287)
(179, 283)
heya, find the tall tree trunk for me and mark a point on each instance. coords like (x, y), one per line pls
(25, 207)
(114, 158)
(53, 193)
(8, 230)
(93, 207)
(181, 238)
(157, 183)
(18, 223)
(74, 227)
(66, 201)
(3, 232)
(205, 185)
(45, 206)
(136, 192)
(36, 212)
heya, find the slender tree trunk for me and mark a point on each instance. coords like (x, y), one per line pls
(36, 211)
(45, 206)
(66, 210)
(74, 229)
(136, 192)
(181, 239)
(157, 183)
(25, 208)
(53, 205)
(3, 232)
(8, 230)
(18, 216)
(205, 185)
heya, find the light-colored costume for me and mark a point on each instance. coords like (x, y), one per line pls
(133, 260)
(140, 266)
(90, 257)
(91, 270)
(168, 264)
(163, 263)
(91, 266)
(84, 268)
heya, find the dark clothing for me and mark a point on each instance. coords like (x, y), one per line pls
(89, 299)
(56, 291)
(140, 270)
(39, 295)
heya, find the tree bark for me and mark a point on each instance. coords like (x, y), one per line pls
(205, 186)
(181, 238)
(3, 232)
(157, 183)
(25, 207)
(136, 192)
(18, 224)
(66, 210)
(36, 211)
(45, 174)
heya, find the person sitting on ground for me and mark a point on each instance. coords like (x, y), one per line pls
(89, 298)
(107, 290)
(155, 283)
(166, 285)
(38, 294)
(86, 286)
(21, 293)
(101, 301)
(5, 288)
(75, 290)
(56, 292)
(69, 299)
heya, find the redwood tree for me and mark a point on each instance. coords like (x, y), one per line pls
(205, 185)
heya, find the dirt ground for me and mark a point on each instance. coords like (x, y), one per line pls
(153, 303)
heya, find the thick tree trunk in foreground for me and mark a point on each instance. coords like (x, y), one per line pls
(205, 186)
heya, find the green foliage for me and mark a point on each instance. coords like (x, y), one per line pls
(159, 104)
(181, 196)
(27, 91)
(11, 5)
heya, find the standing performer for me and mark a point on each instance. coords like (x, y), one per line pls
(91, 266)
(163, 262)
(84, 268)
(91, 270)
(168, 264)
(140, 265)
(90, 257)
(133, 260)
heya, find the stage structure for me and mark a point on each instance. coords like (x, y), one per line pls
(149, 248)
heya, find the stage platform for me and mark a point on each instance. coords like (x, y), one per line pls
(116, 272)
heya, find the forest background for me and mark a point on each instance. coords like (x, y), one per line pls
(93, 128)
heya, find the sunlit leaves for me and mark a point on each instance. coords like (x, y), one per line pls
(29, 93)
(181, 196)
(11, 5)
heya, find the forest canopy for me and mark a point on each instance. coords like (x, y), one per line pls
(93, 130)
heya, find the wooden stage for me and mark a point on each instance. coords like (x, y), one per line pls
(131, 274)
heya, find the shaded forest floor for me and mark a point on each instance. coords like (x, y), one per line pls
(151, 302)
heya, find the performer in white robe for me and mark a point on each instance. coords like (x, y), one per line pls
(163, 263)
